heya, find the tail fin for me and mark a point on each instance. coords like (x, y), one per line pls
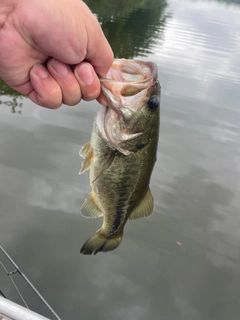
(99, 242)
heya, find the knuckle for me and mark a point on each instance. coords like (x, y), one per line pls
(72, 96)
(91, 93)
(53, 100)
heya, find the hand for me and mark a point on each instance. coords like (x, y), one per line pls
(51, 50)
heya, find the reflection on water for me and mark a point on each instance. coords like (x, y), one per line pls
(10, 98)
(195, 183)
(231, 1)
(132, 27)
(13, 103)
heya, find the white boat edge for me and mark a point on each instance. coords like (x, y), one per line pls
(14, 311)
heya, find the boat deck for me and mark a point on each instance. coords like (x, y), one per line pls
(13, 311)
(2, 317)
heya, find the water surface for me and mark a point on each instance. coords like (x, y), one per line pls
(183, 261)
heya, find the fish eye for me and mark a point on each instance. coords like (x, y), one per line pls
(153, 103)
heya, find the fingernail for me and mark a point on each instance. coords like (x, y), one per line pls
(40, 71)
(59, 67)
(85, 73)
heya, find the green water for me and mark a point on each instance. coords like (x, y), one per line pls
(181, 263)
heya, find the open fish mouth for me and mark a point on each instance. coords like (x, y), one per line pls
(125, 87)
(127, 78)
(130, 71)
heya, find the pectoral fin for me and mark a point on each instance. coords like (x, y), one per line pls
(89, 208)
(86, 153)
(105, 165)
(145, 207)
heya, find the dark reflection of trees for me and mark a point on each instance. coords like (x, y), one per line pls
(231, 1)
(131, 27)
(13, 98)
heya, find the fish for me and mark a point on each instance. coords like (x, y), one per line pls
(122, 151)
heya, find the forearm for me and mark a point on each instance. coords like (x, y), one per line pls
(6, 7)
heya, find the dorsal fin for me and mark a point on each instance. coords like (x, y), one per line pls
(87, 153)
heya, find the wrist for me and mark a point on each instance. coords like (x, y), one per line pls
(6, 7)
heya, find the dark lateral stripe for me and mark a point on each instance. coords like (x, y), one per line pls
(119, 218)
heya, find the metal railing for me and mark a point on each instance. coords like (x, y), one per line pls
(13, 310)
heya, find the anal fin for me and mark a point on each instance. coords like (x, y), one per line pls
(89, 208)
(145, 207)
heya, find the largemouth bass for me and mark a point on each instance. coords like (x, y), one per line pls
(122, 151)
